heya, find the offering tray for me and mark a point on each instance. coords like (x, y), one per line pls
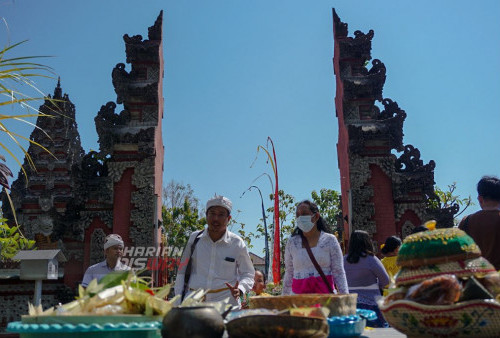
(127, 326)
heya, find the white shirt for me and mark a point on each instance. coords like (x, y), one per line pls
(101, 269)
(328, 254)
(216, 263)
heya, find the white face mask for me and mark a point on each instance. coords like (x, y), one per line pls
(305, 223)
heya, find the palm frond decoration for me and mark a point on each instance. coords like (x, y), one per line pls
(17, 75)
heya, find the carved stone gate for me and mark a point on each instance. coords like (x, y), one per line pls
(73, 200)
(381, 193)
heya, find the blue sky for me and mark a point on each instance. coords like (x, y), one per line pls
(239, 71)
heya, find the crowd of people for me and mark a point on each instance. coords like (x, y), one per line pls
(217, 260)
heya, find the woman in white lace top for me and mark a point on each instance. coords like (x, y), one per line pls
(301, 276)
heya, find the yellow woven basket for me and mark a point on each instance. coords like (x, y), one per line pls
(475, 318)
(339, 305)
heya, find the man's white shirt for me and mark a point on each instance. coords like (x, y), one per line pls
(101, 269)
(216, 263)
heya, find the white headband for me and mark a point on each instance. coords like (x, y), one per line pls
(112, 240)
(220, 201)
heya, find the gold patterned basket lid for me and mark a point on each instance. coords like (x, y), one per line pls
(461, 268)
(437, 246)
(475, 318)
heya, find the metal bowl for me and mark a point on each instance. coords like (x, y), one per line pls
(195, 321)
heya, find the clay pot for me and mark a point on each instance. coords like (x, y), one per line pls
(196, 321)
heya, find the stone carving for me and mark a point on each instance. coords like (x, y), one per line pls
(410, 161)
(135, 39)
(15, 296)
(351, 112)
(372, 135)
(407, 229)
(365, 84)
(155, 31)
(144, 137)
(45, 225)
(46, 201)
(142, 216)
(76, 254)
(138, 134)
(92, 166)
(145, 50)
(153, 74)
(418, 208)
(360, 171)
(116, 169)
(150, 115)
(339, 26)
(444, 215)
(148, 93)
(391, 110)
(105, 121)
(86, 218)
(143, 199)
(350, 48)
(144, 174)
(120, 82)
(97, 246)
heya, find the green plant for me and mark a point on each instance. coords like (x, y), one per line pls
(12, 240)
(274, 289)
(328, 202)
(179, 223)
(448, 198)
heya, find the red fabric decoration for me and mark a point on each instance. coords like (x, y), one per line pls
(276, 249)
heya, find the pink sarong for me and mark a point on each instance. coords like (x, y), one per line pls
(311, 285)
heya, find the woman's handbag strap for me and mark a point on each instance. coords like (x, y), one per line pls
(315, 263)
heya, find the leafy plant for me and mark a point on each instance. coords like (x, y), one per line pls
(328, 202)
(448, 198)
(12, 240)
(181, 217)
(274, 289)
(239, 228)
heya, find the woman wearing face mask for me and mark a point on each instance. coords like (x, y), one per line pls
(301, 274)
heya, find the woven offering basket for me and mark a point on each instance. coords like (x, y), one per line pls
(437, 247)
(461, 268)
(339, 305)
(277, 327)
(476, 318)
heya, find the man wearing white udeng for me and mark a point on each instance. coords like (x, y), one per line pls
(113, 251)
(219, 259)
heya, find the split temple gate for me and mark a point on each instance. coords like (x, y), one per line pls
(382, 194)
(73, 200)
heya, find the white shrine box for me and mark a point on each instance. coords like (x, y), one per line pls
(39, 264)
